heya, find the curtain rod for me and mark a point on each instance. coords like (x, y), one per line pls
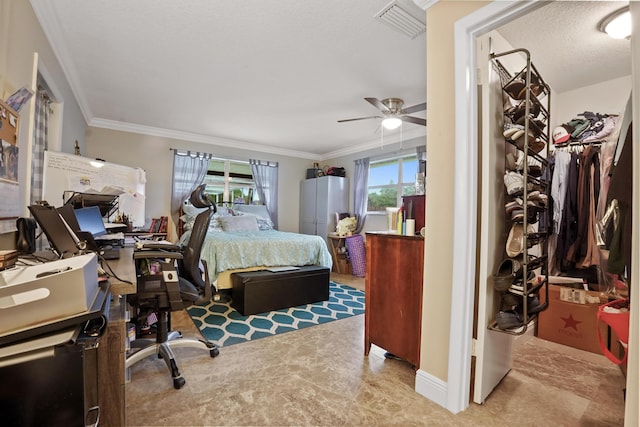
(182, 152)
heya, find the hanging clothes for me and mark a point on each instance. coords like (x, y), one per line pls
(569, 224)
(621, 189)
(581, 251)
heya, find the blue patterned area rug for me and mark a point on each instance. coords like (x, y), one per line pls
(222, 324)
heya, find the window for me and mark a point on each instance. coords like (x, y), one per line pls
(389, 180)
(230, 181)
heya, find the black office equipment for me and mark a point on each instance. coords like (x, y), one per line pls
(49, 373)
(26, 241)
(107, 203)
(69, 216)
(87, 224)
(62, 240)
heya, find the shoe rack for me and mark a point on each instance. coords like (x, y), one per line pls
(527, 106)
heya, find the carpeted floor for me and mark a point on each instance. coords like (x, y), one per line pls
(223, 325)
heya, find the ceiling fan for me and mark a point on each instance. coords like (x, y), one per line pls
(392, 112)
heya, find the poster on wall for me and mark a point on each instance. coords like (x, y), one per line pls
(9, 187)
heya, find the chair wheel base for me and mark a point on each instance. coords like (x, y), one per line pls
(178, 383)
(214, 352)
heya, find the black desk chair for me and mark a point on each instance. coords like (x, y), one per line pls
(169, 279)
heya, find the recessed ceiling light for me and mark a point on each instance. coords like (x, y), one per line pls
(617, 24)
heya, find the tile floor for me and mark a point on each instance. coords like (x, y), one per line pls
(319, 376)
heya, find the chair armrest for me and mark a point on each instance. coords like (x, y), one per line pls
(145, 254)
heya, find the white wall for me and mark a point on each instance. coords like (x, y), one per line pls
(20, 38)
(154, 155)
(608, 97)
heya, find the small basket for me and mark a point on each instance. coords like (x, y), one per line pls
(619, 322)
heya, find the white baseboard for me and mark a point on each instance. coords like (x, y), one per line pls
(431, 387)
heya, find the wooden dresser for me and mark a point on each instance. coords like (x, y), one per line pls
(393, 291)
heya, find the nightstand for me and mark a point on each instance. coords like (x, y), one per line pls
(339, 253)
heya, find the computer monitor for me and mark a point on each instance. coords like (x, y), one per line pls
(90, 219)
(62, 240)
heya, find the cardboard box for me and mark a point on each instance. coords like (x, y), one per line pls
(570, 322)
(39, 294)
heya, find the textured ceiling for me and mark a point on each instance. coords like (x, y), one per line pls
(566, 45)
(276, 75)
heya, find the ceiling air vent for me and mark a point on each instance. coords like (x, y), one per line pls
(405, 17)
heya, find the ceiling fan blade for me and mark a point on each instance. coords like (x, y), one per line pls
(414, 108)
(359, 118)
(416, 120)
(378, 104)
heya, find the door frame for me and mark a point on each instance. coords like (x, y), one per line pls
(466, 30)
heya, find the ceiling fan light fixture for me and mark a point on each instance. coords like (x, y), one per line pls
(391, 123)
(617, 24)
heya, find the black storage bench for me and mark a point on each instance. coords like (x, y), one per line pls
(259, 291)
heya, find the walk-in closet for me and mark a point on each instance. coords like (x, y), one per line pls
(557, 193)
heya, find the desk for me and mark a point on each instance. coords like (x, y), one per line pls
(113, 348)
(339, 253)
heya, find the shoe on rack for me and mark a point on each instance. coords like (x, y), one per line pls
(509, 301)
(515, 161)
(514, 183)
(511, 161)
(506, 274)
(514, 205)
(533, 305)
(535, 125)
(515, 88)
(515, 241)
(510, 130)
(522, 287)
(514, 208)
(537, 145)
(519, 139)
(518, 111)
(536, 86)
(509, 319)
(535, 170)
(537, 198)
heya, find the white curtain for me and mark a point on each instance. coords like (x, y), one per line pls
(189, 170)
(265, 176)
(361, 192)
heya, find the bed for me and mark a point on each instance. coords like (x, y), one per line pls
(243, 239)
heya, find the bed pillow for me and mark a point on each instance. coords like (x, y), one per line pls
(239, 223)
(259, 211)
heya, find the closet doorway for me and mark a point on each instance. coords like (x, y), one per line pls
(494, 20)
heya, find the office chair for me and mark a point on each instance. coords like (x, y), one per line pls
(169, 278)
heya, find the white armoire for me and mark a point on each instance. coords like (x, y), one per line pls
(320, 199)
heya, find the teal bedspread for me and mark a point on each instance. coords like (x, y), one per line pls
(241, 249)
